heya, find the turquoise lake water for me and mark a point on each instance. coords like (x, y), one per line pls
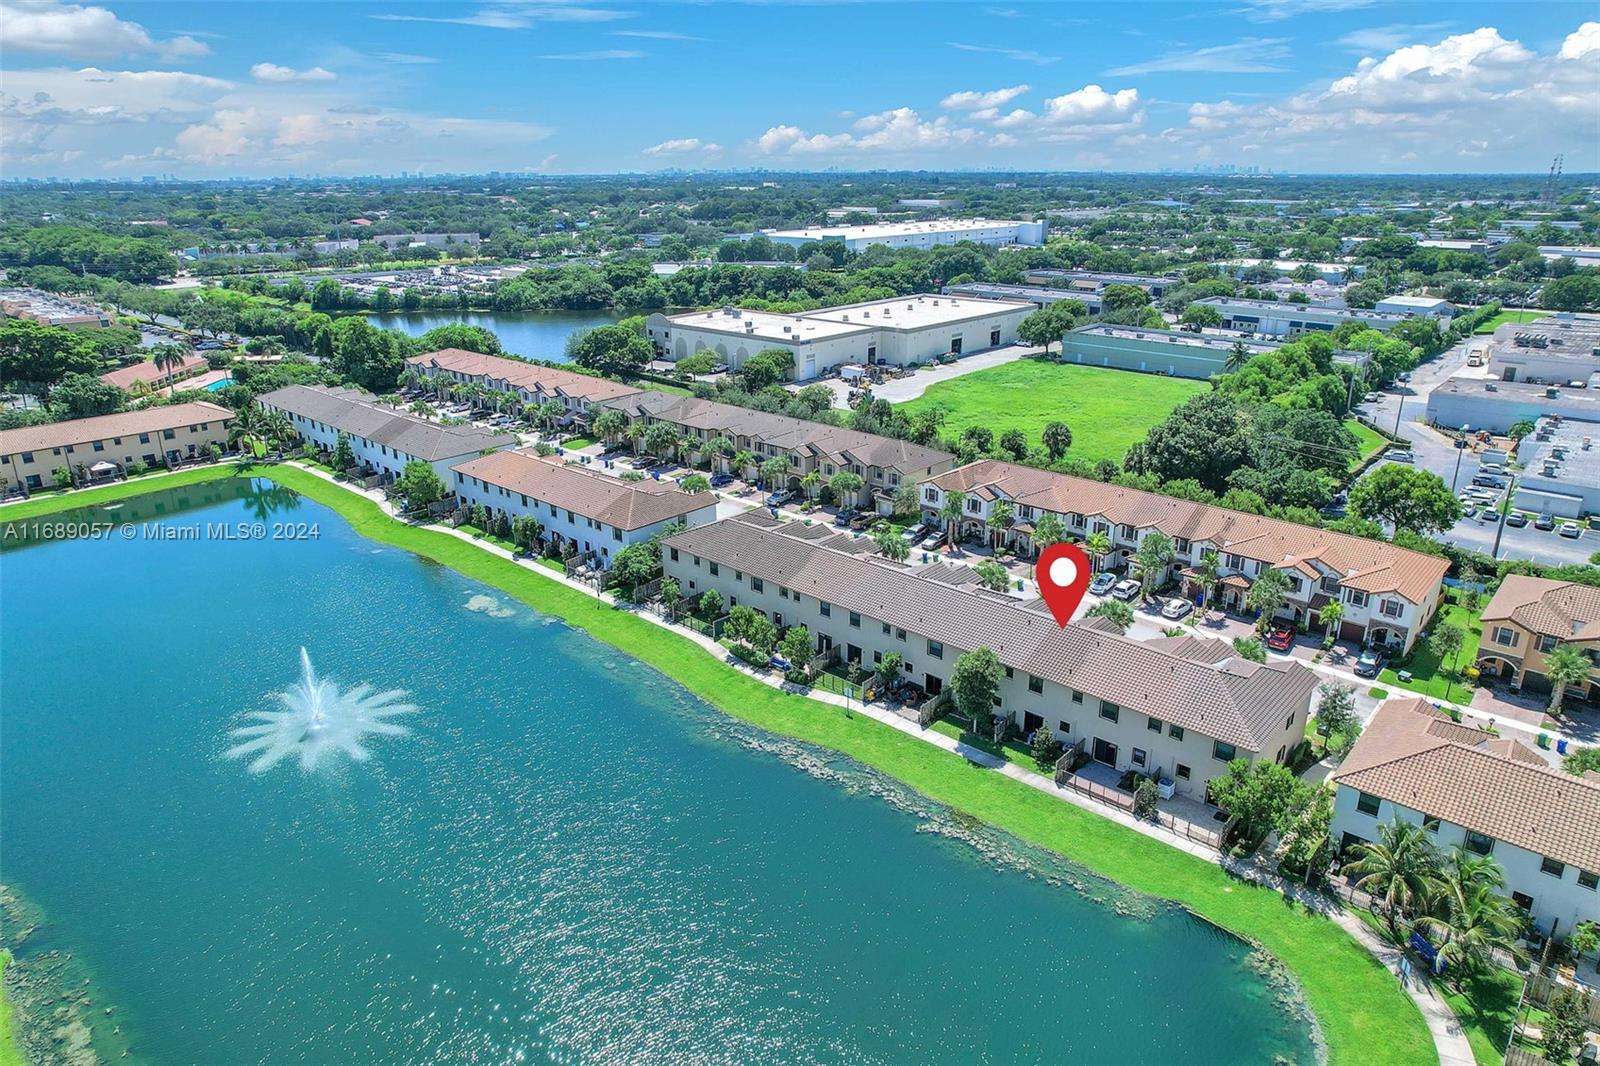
(533, 334)
(568, 859)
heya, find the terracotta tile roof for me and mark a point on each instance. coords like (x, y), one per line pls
(359, 414)
(1561, 609)
(518, 373)
(1413, 755)
(1365, 565)
(1232, 700)
(146, 371)
(834, 443)
(624, 504)
(103, 427)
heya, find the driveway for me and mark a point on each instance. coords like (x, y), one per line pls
(909, 388)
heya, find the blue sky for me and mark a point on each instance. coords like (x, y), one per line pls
(241, 88)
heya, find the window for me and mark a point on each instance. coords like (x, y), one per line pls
(756, 584)
(1330, 585)
(826, 608)
(1175, 732)
(27, 457)
(99, 445)
(1224, 752)
(1289, 723)
(1523, 900)
(1430, 823)
(1065, 729)
(885, 628)
(1233, 562)
(1183, 772)
(899, 634)
(1153, 724)
(1356, 597)
(1588, 879)
(1506, 636)
(855, 620)
(1138, 756)
(674, 552)
(1109, 711)
(1391, 608)
(1009, 674)
(714, 569)
(783, 593)
(1077, 697)
(1479, 844)
(1553, 867)
(936, 649)
(1035, 684)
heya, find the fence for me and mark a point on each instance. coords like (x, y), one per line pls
(1541, 986)
(1115, 797)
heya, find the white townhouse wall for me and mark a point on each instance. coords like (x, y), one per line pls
(1182, 706)
(897, 332)
(1493, 796)
(1388, 594)
(382, 438)
(531, 382)
(917, 234)
(598, 514)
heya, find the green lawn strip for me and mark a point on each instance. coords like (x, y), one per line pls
(1012, 751)
(1107, 410)
(138, 486)
(1427, 677)
(10, 1052)
(1489, 325)
(1364, 1015)
(1368, 441)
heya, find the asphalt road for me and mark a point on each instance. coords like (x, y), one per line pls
(1405, 406)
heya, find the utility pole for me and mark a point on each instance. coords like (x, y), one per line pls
(1511, 494)
(1461, 446)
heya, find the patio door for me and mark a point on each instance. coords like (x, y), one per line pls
(1106, 753)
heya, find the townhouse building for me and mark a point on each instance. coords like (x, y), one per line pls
(109, 444)
(1179, 708)
(1387, 593)
(530, 382)
(598, 515)
(384, 439)
(1527, 619)
(883, 463)
(1491, 796)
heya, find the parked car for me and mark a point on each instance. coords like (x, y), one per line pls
(1368, 664)
(932, 540)
(1516, 518)
(1570, 529)
(862, 519)
(779, 498)
(1400, 455)
(1176, 608)
(1281, 637)
(1102, 583)
(915, 533)
(1370, 397)
(1545, 522)
(843, 518)
(1469, 508)
(1405, 375)
(719, 480)
(1126, 589)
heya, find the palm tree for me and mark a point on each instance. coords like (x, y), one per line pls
(1098, 545)
(1208, 575)
(1048, 530)
(743, 460)
(1475, 927)
(1267, 596)
(1331, 615)
(811, 484)
(1154, 554)
(609, 424)
(549, 415)
(1565, 666)
(950, 513)
(1237, 357)
(695, 483)
(889, 543)
(1399, 870)
(715, 448)
(168, 358)
(1000, 518)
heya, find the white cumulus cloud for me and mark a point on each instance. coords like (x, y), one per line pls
(982, 101)
(83, 32)
(683, 146)
(274, 72)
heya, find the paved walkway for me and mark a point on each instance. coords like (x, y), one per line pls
(1448, 1038)
(900, 390)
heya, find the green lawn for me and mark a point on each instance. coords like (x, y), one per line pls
(1013, 751)
(64, 501)
(1489, 325)
(1108, 410)
(1364, 1015)
(1427, 677)
(1368, 440)
(10, 1053)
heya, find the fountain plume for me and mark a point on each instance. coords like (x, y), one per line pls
(319, 720)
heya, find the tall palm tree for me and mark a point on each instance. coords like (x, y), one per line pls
(1154, 554)
(950, 513)
(1000, 518)
(1565, 666)
(1480, 926)
(889, 543)
(609, 424)
(1098, 545)
(1399, 870)
(743, 460)
(811, 484)
(1331, 615)
(1208, 575)
(1048, 530)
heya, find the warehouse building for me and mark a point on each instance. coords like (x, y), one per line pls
(1272, 319)
(1037, 295)
(901, 331)
(1095, 282)
(1174, 352)
(917, 234)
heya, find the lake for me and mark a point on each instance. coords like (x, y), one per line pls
(532, 334)
(561, 856)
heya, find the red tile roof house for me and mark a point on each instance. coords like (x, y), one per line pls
(152, 436)
(1490, 795)
(532, 383)
(154, 376)
(1388, 593)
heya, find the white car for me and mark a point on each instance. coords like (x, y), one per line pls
(1126, 589)
(1176, 608)
(1570, 529)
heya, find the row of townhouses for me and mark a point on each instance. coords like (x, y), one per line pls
(531, 383)
(1387, 593)
(883, 463)
(1182, 707)
(1491, 796)
(106, 445)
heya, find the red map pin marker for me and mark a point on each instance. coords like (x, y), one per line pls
(1062, 573)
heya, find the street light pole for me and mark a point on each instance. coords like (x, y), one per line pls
(1505, 509)
(1397, 411)
(1461, 446)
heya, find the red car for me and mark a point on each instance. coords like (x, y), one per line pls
(1281, 638)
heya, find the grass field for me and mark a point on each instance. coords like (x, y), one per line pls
(1427, 677)
(1364, 1016)
(1368, 440)
(1489, 325)
(1107, 410)
(10, 1053)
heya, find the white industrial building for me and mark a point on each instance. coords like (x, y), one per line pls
(1421, 306)
(1290, 319)
(1174, 352)
(1561, 468)
(1544, 367)
(1557, 349)
(897, 332)
(917, 234)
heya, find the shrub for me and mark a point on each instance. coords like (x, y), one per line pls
(1046, 747)
(1144, 798)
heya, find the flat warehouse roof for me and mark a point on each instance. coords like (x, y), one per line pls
(896, 229)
